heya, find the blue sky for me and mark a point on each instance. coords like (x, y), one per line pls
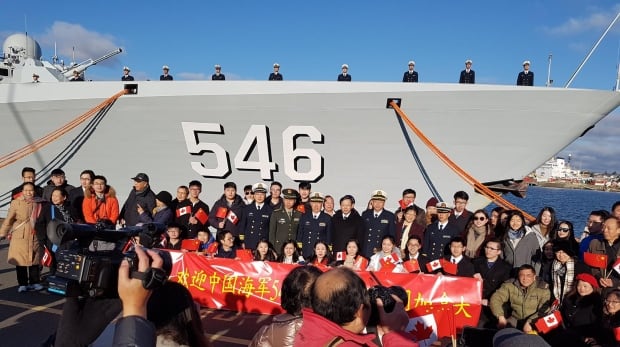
(312, 39)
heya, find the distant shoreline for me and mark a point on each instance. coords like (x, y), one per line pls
(579, 186)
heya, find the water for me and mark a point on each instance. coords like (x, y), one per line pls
(569, 204)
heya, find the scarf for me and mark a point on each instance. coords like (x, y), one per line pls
(515, 234)
(563, 276)
(475, 238)
(35, 205)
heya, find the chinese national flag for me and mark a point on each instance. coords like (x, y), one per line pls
(549, 322)
(386, 265)
(595, 260)
(232, 217)
(183, 211)
(191, 245)
(202, 216)
(434, 265)
(301, 208)
(448, 267)
(402, 204)
(221, 212)
(412, 265)
(212, 248)
(244, 254)
(341, 255)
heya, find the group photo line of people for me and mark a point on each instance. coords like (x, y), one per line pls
(467, 75)
(529, 271)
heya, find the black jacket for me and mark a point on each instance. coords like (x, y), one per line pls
(145, 198)
(410, 77)
(235, 209)
(344, 230)
(493, 277)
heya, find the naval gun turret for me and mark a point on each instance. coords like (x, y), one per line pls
(81, 67)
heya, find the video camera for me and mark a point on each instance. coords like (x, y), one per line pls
(88, 258)
(385, 294)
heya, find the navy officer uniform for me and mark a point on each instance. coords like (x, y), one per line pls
(314, 226)
(255, 220)
(378, 224)
(411, 75)
(165, 76)
(126, 75)
(284, 223)
(275, 75)
(438, 234)
(525, 77)
(218, 76)
(468, 76)
(344, 76)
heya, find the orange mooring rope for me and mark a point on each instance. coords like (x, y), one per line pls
(40, 143)
(458, 170)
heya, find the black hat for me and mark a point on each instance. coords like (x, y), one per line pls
(563, 246)
(164, 197)
(289, 193)
(58, 172)
(141, 177)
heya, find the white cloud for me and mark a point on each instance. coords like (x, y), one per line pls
(594, 21)
(192, 76)
(87, 44)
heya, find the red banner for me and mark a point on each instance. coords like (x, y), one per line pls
(438, 305)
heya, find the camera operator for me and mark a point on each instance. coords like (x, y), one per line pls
(340, 311)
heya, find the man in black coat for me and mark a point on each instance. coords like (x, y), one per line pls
(255, 219)
(464, 266)
(344, 76)
(347, 224)
(468, 76)
(28, 175)
(275, 75)
(142, 195)
(461, 216)
(438, 235)
(379, 223)
(493, 271)
(525, 77)
(76, 195)
(192, 212)
(411, 75)
(227, 210)
(218, 75)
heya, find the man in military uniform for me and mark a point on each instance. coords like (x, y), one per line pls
(411, 75)
(314, 225)
(218, 75)
(344, 76)
(284, 222)
(379, 223)
(526, 77)
(275, 75)
(468, 76)
(438, 235)
(165, 76)
(126, 75)
(255, 219)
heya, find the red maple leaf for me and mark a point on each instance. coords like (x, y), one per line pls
(551, 320)
(421, 332)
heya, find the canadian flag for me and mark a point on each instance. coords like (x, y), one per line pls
(549, 322)
(617, 266)
(232, 217)
(433, 265)
(183, 211)
(341, 255)
(423, 329)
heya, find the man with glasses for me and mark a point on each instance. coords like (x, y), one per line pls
(594, 230)
(193, 212)
(227, 248)
(76, 195)
(493, 271)
(438, 234)
(460, 216)
(610, 246)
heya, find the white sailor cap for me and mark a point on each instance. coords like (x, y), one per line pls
(345, 66)
(35, 75)
(165, 67)
(443, 207)
(527, 62)
(125, 68)
(379, 195)
(316, 197)
(411, 62)
(259, 188)
(276, 65)
(468, 61)
(217, 66)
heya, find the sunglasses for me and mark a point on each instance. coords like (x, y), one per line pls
(564, 229)
(480, 218)
(248, 193)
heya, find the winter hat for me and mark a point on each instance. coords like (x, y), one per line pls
(563, 246)
(432, 202)
(586, 277)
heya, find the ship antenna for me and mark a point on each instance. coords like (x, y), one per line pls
(570, 80)
(549, 80)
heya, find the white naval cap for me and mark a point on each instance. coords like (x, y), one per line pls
(217, 66)
(527, 62)
(379, 195)
(165, 67)
(125, 68)
(411, 62)
(468, 61)
(316, 197)
(276, 65)
(345, 66)
(259, 188)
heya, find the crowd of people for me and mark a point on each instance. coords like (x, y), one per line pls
(467, 76)
(528, 270)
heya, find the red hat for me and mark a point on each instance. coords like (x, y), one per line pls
(432, 202)
(586, 277)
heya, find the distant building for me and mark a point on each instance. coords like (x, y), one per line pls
(556, 169)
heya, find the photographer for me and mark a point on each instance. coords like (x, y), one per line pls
(340, 311)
